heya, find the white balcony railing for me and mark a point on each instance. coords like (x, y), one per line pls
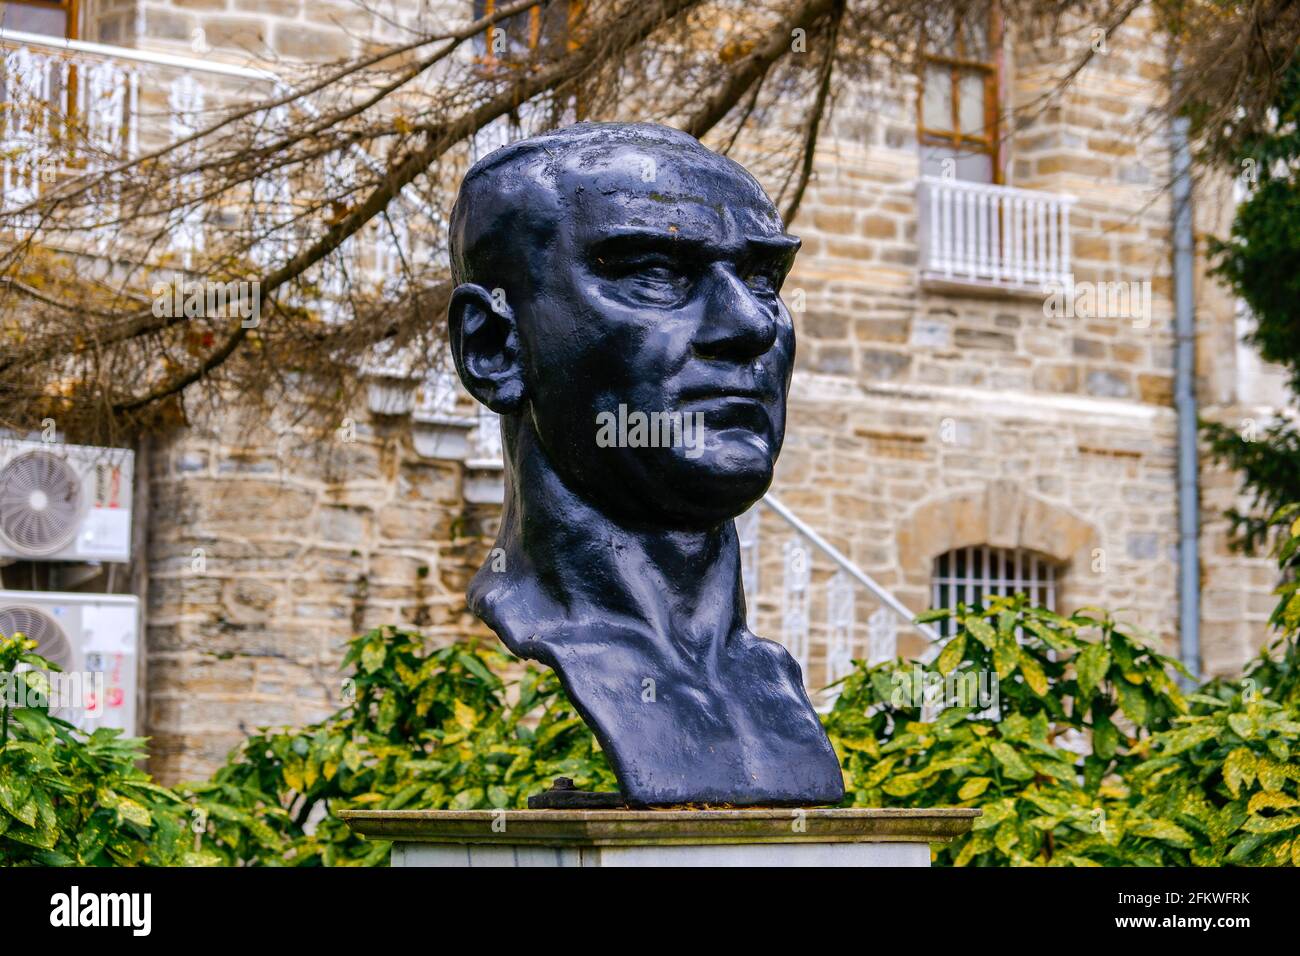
(74, 108)
(982, 236)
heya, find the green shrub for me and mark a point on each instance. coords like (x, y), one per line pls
(1227, 777)
(1150, 777)
(1229, 773)
(67, 798)
(1144, 781)
(433, 729)
(1081, 681)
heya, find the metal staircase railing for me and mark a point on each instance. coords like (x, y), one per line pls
(816, 612)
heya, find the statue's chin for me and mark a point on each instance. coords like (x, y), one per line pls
(683, 487)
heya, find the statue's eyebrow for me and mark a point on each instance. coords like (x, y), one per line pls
(631, 240)
(778, 249)
(782, 242)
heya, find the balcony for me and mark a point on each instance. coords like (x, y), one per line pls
(73, 108)
(978, 237)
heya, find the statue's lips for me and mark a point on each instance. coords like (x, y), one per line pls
(722, 411)
(741, 387)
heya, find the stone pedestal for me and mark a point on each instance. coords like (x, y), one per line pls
(765, 837)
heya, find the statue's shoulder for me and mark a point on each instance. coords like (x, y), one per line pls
(761, 651)
(605, 646)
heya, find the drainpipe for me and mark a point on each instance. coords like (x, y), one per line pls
(1189, 560)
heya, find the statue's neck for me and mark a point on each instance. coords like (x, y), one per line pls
(564, 564)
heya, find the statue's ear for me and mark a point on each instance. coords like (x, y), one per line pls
(485, 346)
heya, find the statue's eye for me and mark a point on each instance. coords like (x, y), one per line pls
(656, 273)
(649, 276)
(653, 269)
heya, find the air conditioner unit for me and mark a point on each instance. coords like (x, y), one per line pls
(65, 502)
(95, 639)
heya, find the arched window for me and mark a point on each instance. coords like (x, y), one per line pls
(968, 574)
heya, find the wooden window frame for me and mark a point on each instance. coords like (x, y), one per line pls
(990, 143)
(490, 61)
(71, 7)
(71, 31)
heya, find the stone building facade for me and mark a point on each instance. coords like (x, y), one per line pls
(944, 425)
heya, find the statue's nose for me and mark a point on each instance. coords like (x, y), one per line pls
(737, 323)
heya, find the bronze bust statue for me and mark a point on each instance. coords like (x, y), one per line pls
(617, 302)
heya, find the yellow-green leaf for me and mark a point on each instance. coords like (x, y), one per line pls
(352, 756)
(867, 745)
(1242, 725)
(372, 656)
(1006, 655)
(1032, 671)
(1132, 700)
(952, 655)
(1272, 775)
(878, 773)
(293, 772)
(1239, 768)
(1177, 741)
(466, 716)
(1271, 824)
(1090, 667)
(968, 852)
(1271, 801)
(1011, 761)
(982, 631)
(135, 812)
(904, 785)
(1160, 830)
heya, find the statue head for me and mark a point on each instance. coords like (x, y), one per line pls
(617, 301)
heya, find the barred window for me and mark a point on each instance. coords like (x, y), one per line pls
(968, 574)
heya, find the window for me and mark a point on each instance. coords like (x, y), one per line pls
(55, 18)
(968, 574)
(957, 124)
(38, 89)
(545, 28)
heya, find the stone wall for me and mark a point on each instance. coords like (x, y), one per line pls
(1078, 411)
(895, 477)
(269, 547)
(908, 396)
(291, 31)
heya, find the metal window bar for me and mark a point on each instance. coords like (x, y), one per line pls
(969, 574)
